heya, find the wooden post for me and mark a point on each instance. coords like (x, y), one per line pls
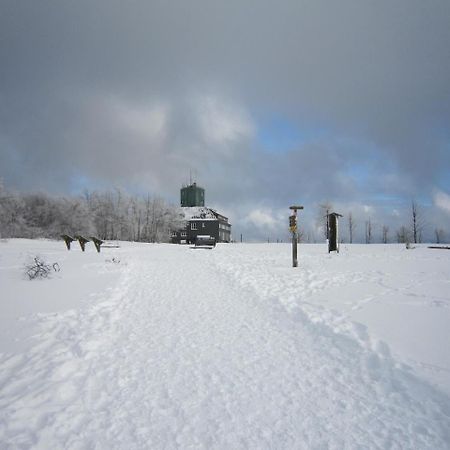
(293, 228)
(333, 232)
(294, 250)
(82, 241)
(97, 242)
(68, 240)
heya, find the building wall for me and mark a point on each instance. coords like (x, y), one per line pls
(209, 227)
(202, 227)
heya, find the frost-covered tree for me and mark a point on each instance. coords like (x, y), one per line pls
(351, 227)
(106, 215)
(42, 216)
(75, 217)
(164, 218)
(12, 223)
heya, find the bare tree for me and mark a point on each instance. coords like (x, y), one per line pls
(385, 231)
(417, 224)
(134, 219)
(351, 227)
(310, 237)
(440, 235)
(368, 231)
(403, 235)
(146, 231)
(322, 219)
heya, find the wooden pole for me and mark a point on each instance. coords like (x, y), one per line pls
(293, 228)
(294, 250)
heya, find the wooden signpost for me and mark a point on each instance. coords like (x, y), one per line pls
(333, 231)
(293, 230)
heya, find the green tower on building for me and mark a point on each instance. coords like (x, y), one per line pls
(192, 195)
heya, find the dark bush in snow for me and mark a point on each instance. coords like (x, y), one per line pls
(39, 269)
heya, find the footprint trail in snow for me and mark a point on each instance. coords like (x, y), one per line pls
(184, 355)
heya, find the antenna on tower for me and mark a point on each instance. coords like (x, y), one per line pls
(190, 177)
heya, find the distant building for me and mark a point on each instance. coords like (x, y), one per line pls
(192, 195)
(199, 219)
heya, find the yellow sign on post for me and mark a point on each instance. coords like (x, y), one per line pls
(293, 223)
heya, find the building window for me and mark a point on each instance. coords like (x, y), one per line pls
(183, 234)
(203, 224)
(174, 234)
(193, 225)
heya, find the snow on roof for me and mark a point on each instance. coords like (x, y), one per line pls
(198, 212)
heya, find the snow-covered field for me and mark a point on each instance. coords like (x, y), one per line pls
(166, 346)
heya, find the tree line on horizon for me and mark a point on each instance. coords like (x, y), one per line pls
(108, 215)
(414, 232)
(116, 215)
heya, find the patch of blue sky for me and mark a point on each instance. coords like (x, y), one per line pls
(443, 176)
(278, 134)
(359, 173)
(365, 162)
(443, 181)
(389, 200)
(80, 182)
(366, 176)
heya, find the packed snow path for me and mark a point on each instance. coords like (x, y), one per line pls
(185, 353)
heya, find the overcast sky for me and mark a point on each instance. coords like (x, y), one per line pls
(266, 103)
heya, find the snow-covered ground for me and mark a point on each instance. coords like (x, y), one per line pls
(165, 346)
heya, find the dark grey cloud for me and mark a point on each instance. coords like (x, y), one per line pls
(138, 94)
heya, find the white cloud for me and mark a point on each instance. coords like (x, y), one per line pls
(222, 121)
(261, 218)
(442, 200)
(149, 122)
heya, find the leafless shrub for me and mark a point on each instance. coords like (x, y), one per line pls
(39, 269)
